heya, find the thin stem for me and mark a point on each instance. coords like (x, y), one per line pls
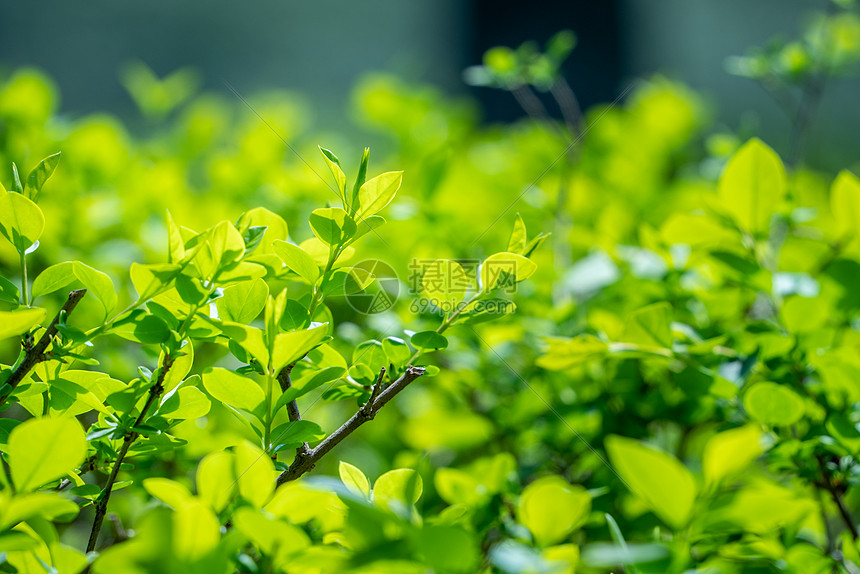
(837, 499)
(448, 322)
(155, 393)
(36, 354)
(267, 431)
(25, 287)
(303, 464)
(568, 104)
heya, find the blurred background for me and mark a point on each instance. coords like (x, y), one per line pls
(321, 49)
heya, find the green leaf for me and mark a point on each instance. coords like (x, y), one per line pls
(168, 491)
(752, 186)
(504, 269)
(21, 220)
(332, 225)
(396, 351)
(302, 385)
(773, 404)
(44, 449)
(602, 555)
(651, 326)
(290, 347)
(151, 280)
(403, 486)
(517, 241)
(445, 283)
(298, 261)
(354, 479)
(378, 192)
(339, 177)
(216, 480)
(728, 453)
(293, 433)
(429, 340)
(360, 178)
(18, 322)
(551, 509)
(9, 291)
(276, 227)
(666, 486)
(175, 244)
(565, 353)
(243, 302)
(233, 389)
(141, 327)
(251, 339)
(61, 275)
(845, 203)
(40, 175)
(45, 505)
(458, 487)
(255, 472)
(186, 402)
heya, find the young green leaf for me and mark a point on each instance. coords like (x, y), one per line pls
(243, 302)
(666, 486)
(9, 291)
(517, 241)
(728, 453)
(401, 486)
(98, 284)
(21, 220)
(505, 269)
(332, 225)
(44, 449)
(290, 347)
(19, 321)
(429, 340)
(445, 283)
(551, 509)
(354, 479)
(40, 175)
(298, 261)
(339, 177)
(845, 203)
(752, 186)
(378, 192)
(233, 389)
(773, 404)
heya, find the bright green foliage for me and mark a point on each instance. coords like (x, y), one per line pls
(676, 391)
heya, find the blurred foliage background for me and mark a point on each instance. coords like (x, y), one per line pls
(143, 110)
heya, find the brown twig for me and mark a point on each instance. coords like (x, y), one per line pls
(292, 406)
(303, 464)
(131, 435)
(36, 354)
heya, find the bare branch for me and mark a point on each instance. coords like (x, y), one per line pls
(36, 354)
(303, 464)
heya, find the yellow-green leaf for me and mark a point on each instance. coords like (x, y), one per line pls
(19, 321)
(44, 449)
(551, 508)
(752, 186)
(730, 452)
(354, 479)
(659, 479)
(21, 220)
(378, 192)
(504, 269)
